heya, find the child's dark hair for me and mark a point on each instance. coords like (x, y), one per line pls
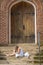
(16, 48)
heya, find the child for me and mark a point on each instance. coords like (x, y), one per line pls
(18, 52)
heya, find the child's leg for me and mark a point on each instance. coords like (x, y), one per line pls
(26, 54)
(17, 55)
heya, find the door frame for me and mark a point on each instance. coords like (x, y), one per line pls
(14, 3)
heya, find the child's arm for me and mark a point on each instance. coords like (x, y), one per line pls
(13, 53)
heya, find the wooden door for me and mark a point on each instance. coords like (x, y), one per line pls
(23, 29)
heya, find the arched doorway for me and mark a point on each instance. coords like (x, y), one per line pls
(11, 37)
(22, 23)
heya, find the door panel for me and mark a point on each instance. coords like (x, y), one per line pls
(23, 29)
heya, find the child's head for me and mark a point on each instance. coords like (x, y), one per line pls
(16, 48)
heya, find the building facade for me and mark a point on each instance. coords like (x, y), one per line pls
(13, 11)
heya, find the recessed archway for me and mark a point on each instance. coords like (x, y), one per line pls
(25, 17)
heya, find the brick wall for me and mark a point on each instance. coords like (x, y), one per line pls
(4, 18)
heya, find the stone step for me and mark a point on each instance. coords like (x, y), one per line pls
(31, 49)
(38, 61)
(38, 58)
(4, 62)
(41, 54)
